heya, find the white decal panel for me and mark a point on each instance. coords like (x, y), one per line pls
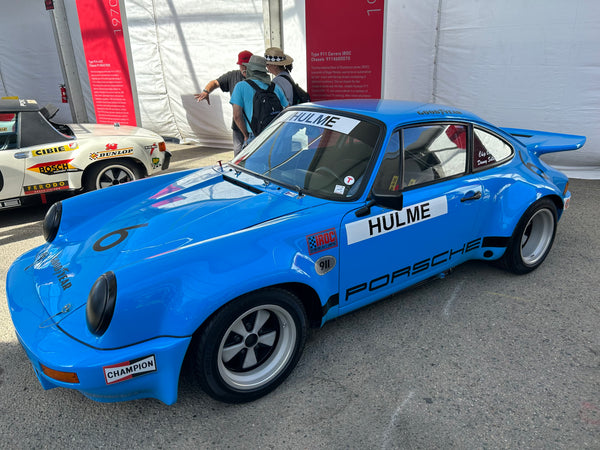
(337, 123)
(394, 220)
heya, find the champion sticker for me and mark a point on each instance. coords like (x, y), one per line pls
(129, 369)
(330, 121)
(323, 240)
(395, 220)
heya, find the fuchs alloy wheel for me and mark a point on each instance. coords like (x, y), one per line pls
(251, 345)
(111, 173)
(532, 239)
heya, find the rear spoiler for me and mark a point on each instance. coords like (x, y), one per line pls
(540, 142)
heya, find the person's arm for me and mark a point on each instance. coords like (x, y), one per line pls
(240, 121)
(211, 86)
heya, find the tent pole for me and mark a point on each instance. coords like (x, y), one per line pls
(66, 55)
(273, 34)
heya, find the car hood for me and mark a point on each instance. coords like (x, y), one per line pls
(85, 131)
(147, 219)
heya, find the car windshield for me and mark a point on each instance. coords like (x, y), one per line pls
(319, 153)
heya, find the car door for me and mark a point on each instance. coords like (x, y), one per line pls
(12, 159)
(388, 250)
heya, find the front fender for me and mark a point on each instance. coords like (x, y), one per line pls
(172, 294)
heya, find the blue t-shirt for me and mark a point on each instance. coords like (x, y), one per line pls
(243, 94)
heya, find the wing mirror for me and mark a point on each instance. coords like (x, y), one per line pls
(393, 201)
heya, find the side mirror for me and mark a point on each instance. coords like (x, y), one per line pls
(394, 201)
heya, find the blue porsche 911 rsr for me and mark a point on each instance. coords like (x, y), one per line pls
(334, 206)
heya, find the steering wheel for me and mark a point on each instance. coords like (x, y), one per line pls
(329, 172)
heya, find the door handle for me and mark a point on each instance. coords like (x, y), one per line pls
(473, 196)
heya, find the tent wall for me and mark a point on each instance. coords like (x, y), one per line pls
(531, 64)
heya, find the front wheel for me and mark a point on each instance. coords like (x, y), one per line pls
(111, 173)
(532, 238)
(251, 345)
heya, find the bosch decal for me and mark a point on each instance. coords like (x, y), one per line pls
(409, 271)
(55, 167)
(395, 220)
(111, 153)
(323, 240)
(129, 369)
(46, 187)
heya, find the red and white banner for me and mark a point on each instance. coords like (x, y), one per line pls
(106, 59)
(344, 48)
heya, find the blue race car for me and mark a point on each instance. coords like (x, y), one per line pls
(334, 206)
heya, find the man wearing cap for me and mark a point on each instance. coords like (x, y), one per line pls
(243, 94)
(280, 65)
(227, 83)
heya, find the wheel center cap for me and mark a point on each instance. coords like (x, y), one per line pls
(251, 340)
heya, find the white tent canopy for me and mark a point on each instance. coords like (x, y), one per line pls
(519, 64)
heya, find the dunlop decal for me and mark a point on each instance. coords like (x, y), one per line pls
(95, 156)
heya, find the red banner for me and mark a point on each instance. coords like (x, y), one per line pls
(344, 48)
(106, 59)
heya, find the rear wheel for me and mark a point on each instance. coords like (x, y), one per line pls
(251, 345)
(111, 173)
(532, 239)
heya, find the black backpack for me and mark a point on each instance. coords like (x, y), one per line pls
(265, 107)
(300, 95)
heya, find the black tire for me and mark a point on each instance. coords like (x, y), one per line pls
(250, 346)
(111, 172)
(532, 239)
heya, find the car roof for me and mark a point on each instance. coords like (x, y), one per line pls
(398, 111)
(18, 105)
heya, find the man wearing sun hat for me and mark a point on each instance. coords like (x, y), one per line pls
(227, 83)
(280, 65)
(243, 94)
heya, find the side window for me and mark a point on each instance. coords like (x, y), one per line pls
(388, 177)
(488, 150)
(433, 152)
(8, 131)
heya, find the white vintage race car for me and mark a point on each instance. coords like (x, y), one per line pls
(38, 156)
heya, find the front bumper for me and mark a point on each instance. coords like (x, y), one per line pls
(147, 369)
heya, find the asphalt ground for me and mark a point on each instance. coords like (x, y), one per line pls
(479, 359)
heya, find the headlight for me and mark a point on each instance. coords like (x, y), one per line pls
(52, 221)
(101, 303)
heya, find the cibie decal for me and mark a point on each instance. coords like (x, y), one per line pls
(55, 167)
(129, 369)
(395, 220)
(337, 123)
(111, 153)
(322, 240)
(52, 150)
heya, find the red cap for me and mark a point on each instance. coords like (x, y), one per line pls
(244, 57)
